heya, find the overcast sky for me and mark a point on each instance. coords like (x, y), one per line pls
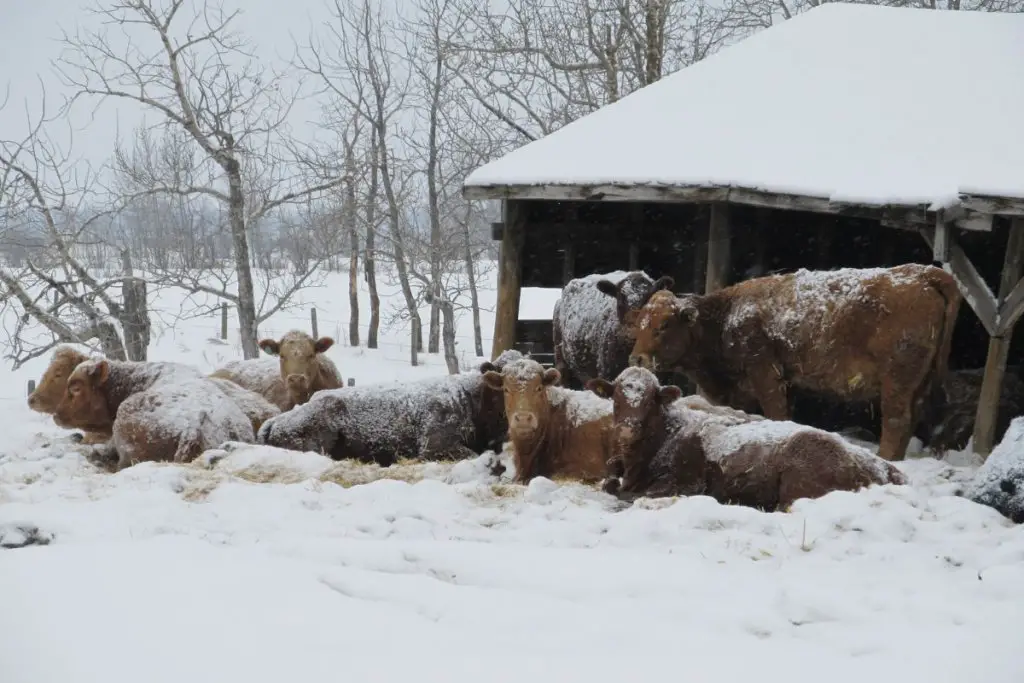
(29, 33)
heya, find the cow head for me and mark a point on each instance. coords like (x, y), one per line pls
(633, 291)
(54, 382)
(527, 404)
(317, 425)
(297, 352)
(84, 404)
(665, 330)
(637, 402)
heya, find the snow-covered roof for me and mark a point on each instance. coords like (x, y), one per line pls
(855, 104)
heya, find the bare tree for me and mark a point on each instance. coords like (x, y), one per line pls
(40, 190)
(355, 63)
(202, 77)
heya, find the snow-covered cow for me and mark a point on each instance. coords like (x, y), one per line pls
(665, 445)
(999, 482)
(554, 431)
(587, 327)
(297, 370)
(52, 386)
(156, 411)
(438, 418)
(856, 334)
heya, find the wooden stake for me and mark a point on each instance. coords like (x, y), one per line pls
(719, 248)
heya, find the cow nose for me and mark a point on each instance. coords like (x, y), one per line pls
(524, 420)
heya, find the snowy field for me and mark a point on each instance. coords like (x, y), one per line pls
(262, 565)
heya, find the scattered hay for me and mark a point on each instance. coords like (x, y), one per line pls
(270, 474)
(348, 473)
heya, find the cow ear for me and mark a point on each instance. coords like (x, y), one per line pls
(493, 380)
(607, 287)
(664, 282)
(601, 387)
(322, 344)
(100, 372)
(669, 393)
(551, 377)
(270, 347)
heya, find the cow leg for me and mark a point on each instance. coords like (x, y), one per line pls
(903, 381)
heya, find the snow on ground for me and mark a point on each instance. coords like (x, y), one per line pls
(256, 564)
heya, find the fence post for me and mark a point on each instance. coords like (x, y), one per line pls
(32, 386)
(351, 381)
(223, 320)
(312, 322)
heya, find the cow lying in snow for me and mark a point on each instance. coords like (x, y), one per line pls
(438, 418)
(949, 425)
(667, 446)
(587, 327)
(155, 411)
(857, 334)
(53, 384)
(554, 431)
(297, 355)
(254, 406)
(999, 482)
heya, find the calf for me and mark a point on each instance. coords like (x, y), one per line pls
(52, 386)
(587, 327)
(664, 446)
(255, 406)
(438, 418)
(259, 375)
(157, 411)
(999, 482)
(949, 424)
(555, 432)
(856, 334)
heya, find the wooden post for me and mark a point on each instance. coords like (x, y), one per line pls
(719, 248)
(223, 321)
(312, 322)
(510, 276)
(351, 381)
(998, 345)
(31, 386)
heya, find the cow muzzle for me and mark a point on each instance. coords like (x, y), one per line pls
(523, 422)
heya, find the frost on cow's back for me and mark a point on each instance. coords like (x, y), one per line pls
(999, 482)
(581, 407)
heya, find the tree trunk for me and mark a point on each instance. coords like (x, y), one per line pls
(353, 264)
(451, 359)
(433, 205)
(434, 337)
(136, 322)
(110, 341)
(370, 261)
(243, 270)
(467, 255)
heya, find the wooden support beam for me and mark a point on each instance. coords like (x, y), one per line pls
(973, 287)
(940, 242)
(510, 276)
(999, 345)
(719, 249)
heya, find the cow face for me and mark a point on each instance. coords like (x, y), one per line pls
(527, 404)
(84, 404)
(297, 352)
(53, 384)
(633, 291)
(664, 331)
(637, 400)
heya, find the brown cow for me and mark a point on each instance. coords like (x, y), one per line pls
(664, 447)
(159, 411)
(555, 432)
(52, 385)
(856, 334)
(260, 375)
(257, 408)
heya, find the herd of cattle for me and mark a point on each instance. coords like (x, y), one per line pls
(609, 410)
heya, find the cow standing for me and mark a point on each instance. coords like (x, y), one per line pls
(588, 332)
(856, 334)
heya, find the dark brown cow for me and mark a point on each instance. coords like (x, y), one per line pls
(949, 424)
(587, 327)
(667, 447)
(855, 334)
(158, 411)
(555, 432)
(437, 418)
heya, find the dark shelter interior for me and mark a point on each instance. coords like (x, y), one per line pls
(566, 239)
